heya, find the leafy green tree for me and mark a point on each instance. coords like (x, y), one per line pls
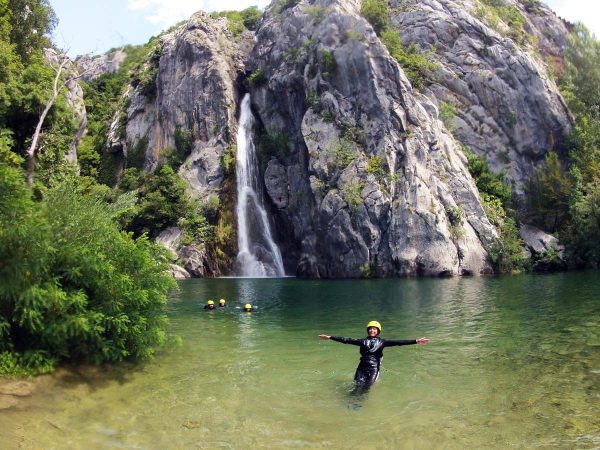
(72, 286)
(548, 195)
(31, 23)
(582, 234)
(582, 84)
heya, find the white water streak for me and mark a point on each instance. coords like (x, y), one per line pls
(258, 254)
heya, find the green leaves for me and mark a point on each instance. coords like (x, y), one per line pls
(72, 285)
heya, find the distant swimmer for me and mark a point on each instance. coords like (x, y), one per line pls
(249, 308)
(209, 305)
(222, 303)
(371, 351)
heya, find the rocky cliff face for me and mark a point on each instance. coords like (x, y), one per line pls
(362, 176)
(508, 107)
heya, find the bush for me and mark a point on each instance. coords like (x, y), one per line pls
(328, 63)
(377, 14)
(351, 194)
(548, 195)
(239, 21)
(494, 185)
(343, 153)
(376, 167)
(416, 65)
(277, 145)
(162, 200)
(447, 115)
(72, 286)
(257, 77)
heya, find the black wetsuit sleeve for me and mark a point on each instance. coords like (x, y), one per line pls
(345, 340)
(399, 342)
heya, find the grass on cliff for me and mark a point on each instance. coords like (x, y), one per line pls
(416, 65)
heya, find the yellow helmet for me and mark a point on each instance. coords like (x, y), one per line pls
(374, 323)
(247, 306)
(210, 302)
(222, 300)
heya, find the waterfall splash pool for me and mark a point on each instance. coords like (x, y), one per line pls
(513, 362)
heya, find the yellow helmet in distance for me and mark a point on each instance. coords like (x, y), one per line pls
(222, 301)
(374, 323)
(210, 302)
(247, 306)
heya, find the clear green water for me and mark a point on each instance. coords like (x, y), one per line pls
(514, 362)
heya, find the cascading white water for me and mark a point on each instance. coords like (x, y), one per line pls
(258, 254)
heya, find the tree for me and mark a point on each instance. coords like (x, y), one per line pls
(72, 285)
(548, 194)
(31, 22)
(61, 64)
(583, 72)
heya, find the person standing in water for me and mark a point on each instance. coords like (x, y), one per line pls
(371, 351)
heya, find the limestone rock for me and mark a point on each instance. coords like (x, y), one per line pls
(508, 107)
(93, 67)
(372, 170)
(374, 183)
(170, 238)
(178, 272)
(545, 250)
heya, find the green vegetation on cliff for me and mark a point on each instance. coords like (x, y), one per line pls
(416, 65)
(567, 201)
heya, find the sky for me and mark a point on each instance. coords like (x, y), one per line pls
(95, 26)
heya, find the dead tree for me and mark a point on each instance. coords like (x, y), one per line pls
(58, 62)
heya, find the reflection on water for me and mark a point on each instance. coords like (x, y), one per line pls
(513, 362)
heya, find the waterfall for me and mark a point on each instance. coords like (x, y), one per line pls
(258, 255)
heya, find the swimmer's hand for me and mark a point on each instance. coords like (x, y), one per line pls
(422, 340)
(324, 336)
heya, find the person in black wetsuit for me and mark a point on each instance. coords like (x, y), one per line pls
(371, 353)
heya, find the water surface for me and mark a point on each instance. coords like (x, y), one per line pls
(514, 362)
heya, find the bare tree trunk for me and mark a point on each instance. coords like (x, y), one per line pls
(31, 153)
(57, 86)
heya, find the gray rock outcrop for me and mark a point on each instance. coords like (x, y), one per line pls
(508, 108)
(93, 67)
(195, 91)
(378, 187)
(543, 249)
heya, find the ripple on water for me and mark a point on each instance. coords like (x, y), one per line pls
(513, 362)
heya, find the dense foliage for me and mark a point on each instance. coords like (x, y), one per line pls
(72, 285)
(26, 79)
(567, 201)
(496, 196)
(240, 21)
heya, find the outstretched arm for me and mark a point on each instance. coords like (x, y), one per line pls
(405, 342)
(343, 340)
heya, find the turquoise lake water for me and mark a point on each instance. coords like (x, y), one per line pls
(513, 362)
